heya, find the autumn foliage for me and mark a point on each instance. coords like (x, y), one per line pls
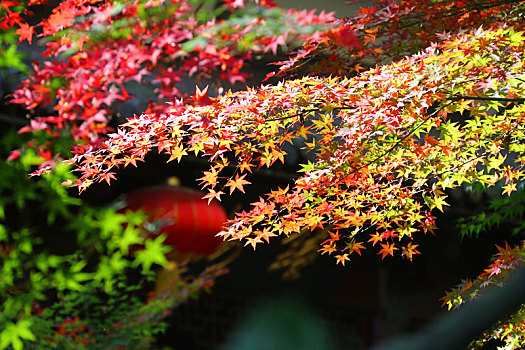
(395, 106)
(385, 146)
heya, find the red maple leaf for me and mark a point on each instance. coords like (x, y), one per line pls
(376, 237)
(6, 4)
(410, 250)
(344, 37)
(14, 155)
(201, 96)
(25, 32)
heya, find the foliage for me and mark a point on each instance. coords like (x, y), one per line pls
(442, 108)
(32, 266)
(81, 294)
(67, 268)
(10, 57)
(511, 331)
(121, 318)
(507, 210)
(112, 46)
(384, 146)
(390, 30)
(105, 322)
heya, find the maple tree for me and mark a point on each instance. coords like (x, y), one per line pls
(97, 272)
(384, 146)
(396, 106)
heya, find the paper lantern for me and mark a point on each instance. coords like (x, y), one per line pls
(189, 223)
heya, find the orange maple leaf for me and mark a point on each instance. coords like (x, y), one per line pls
(177, 152)
(509, 188)
(355, 247)
(388, 249)
(335, 237)
(342, 258)
(313, 221)
(238, 183)
(209, 178)
(328, 248)
(410, 250)
(266, 234)
(376, 237)
(245, 166)
(107, 177)
(132, 160)
(253, 241)
(213, 194)
(266, 159)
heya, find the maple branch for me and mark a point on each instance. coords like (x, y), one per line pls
(463, 10)
(486, 98)
(379, 156)
(472, 159)
(303, 112)
(398, 142)
(198, 7)
(261, 173)
(457, 329)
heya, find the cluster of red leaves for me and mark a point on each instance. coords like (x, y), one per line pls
(379, 166)
(379, 162)
(155, 43)
(12, 17)
(391, 30)
(75, 329)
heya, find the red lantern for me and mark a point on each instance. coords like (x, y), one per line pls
(189, 223)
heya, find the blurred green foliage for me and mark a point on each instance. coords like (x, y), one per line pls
(61, 259)
(507, 210)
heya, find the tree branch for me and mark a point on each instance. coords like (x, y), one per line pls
(486, 98)
(456, 329)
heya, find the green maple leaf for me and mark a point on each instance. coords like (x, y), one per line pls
(153, 253)
(450, 131)
(110, 222)
(108, 268)
(309, 167)
(73, 277)
(436, 202)
(11, 58)
(130, 236)
(13, 334)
